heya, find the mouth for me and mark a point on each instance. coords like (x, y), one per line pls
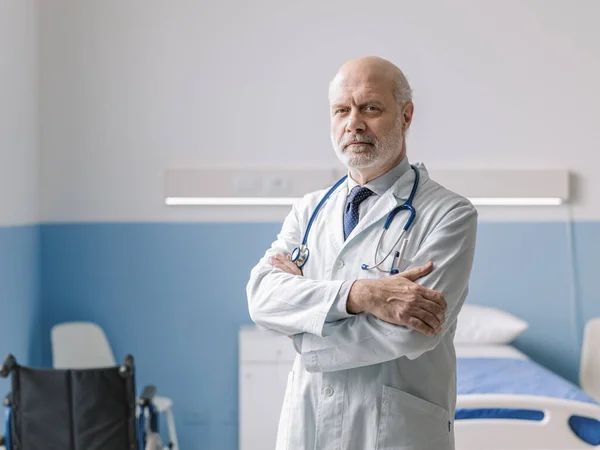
(351, 144)
(357, 145)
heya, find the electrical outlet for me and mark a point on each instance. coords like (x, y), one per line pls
(276, 185)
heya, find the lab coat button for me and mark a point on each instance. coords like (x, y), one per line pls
(328, 391)
(340, 264)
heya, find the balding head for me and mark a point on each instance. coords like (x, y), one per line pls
(371, 110)
(375, 70)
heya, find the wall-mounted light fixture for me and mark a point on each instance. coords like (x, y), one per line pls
(283, 186)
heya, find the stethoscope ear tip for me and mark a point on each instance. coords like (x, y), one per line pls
(364, 267)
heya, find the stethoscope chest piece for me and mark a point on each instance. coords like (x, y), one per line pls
(300, 255)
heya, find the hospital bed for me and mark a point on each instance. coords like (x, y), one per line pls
(506, 401)
(492, 379)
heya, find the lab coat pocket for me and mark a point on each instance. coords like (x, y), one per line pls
(403, 264)
(285, 419)
(387, 265)
(411, 423)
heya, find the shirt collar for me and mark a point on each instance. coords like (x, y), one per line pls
(383, 182)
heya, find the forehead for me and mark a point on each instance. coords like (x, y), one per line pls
(357, 86)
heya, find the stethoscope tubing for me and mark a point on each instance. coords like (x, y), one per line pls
(300, 254)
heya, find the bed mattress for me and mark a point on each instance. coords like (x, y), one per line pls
(505, 370)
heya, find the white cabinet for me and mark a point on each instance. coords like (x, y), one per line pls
(265, 361)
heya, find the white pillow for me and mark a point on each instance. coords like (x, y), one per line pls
(484, 325)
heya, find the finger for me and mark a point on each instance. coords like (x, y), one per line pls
(417, 272)
(280, 266)
(275, 260)
(418, 325)
(279, 258)
(291, 269)
(433, 295)
(417, 311)
(433, 321)
(432, 307)
(291, 266)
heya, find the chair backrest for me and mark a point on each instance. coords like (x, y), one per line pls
(80, 345)
(589, 374)
(73, 409)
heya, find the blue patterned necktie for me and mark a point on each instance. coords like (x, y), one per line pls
(356, 197)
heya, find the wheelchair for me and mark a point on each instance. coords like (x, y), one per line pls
(91, 409)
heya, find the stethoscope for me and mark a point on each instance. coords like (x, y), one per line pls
(300, 254)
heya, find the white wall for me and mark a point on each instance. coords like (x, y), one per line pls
(132, 88)
(19, 150)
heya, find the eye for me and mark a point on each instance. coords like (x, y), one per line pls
(372, 108)
(340, 110)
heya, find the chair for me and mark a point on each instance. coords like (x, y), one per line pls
(83, 345)
(589, 373)
(88, 409)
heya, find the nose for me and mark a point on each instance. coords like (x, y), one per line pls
(355, 123)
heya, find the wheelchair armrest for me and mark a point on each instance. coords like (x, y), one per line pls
(7, 366)
(147, 395)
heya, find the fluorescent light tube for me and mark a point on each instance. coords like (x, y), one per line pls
(287, 201)
(516, 201)
(230, 201)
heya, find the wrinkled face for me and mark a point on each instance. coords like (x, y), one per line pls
(366, 123)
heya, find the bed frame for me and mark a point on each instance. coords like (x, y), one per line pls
(551, 433)
(589, 372)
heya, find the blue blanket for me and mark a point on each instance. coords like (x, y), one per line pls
(520, 376)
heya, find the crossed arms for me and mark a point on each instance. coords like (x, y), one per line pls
(384, 319)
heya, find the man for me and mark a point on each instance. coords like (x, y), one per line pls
(376, 367)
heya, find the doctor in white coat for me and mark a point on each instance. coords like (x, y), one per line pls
(376, 365)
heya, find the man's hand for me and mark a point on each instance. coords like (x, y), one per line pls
(284, 263)
(399, 300)
(396, 299)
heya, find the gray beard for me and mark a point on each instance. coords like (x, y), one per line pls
(385, 149)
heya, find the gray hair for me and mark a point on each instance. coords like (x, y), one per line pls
(402, 90)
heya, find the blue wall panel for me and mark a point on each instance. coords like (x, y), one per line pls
(19, 296)
(174, 296)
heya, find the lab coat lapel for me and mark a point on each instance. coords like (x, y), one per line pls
(394, 196)
(336, 217)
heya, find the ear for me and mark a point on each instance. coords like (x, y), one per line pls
(407, 114)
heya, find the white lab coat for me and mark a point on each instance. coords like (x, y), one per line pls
(361, 383)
